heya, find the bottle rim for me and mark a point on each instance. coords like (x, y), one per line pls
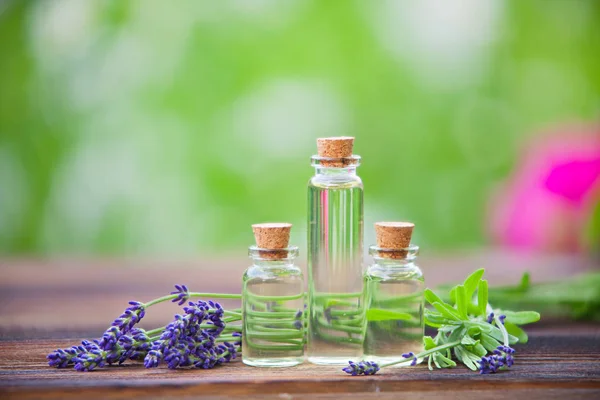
(408, 253)
(262, 254)
(340, 163)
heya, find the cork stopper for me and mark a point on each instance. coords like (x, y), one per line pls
(394, 236)
(339, 147)
(272, 237)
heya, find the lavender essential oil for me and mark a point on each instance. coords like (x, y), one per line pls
(273, 301)
(335, 242)
(394, 287)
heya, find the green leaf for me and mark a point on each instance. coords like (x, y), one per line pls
(482, 297)
(457, 333)
(522, 317)
(434, 319)
(489, 342)
(375, 314)
(479, 350)
(461, 301)
(428, 342)
(474, 331)
(447, 311)
(472, 280)
(516, 331)
(453, 295)
(468, 341)
(432, 297)
(443, 361)
(497, 334)
(466, 357)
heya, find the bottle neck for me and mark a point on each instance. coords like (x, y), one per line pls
(273, 258)
(395, 258)
(322, 171)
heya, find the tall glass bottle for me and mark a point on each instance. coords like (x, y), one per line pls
(335, 242)
(273, 301)
(394, 288)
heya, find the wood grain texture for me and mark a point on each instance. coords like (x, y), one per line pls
(47, 306)
(554, 361)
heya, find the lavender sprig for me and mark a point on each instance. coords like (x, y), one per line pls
(204, 321)
(131, 316)
(361, 368)
(501, 358)
(182, 294)
(469, 330)
(189, 340)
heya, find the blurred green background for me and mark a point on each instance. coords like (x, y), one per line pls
(159, 127)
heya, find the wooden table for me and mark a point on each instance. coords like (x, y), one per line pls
(50, 304)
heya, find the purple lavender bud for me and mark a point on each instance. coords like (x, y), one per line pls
(502, 318)
(298, 314)
(408, 355)
(362, 368)
(152, 359)
(62, 358)
(490, 318)
(182, 294)
(131, 316)
(414, 361)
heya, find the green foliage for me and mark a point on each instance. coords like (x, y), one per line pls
(131, 128)
(469, 328)
(374, 314)
(576, 297)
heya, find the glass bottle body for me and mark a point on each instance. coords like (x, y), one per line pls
(335, 241)
(394, 298)
(273, 311)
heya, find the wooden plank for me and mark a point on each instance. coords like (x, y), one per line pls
(554, 360)
(42, 302)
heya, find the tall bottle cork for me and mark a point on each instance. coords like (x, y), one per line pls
(273, 238)
(393, 236)
(337, 148)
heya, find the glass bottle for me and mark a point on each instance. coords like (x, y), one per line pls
(335, 241)
(394, 286)
(273, 306)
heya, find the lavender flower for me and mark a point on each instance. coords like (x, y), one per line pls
(131, 316)
(62, 358)
(409, 355)
(189, 340)
(490, 318)
(182, 294)
(92, 357)
(501, 358)
(153, 358)
(134, 347)
(109, 338)
(502, 318)
(361, 368)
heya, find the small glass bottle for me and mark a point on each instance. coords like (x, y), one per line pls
(273, 301)
(394, 287)
(335, 245)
